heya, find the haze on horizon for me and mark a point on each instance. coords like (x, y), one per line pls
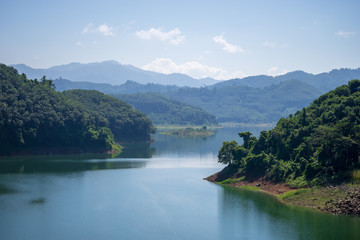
(217, 39)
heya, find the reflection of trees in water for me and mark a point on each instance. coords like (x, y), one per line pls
(64, 164)
(165, 144)
(137, 150)
(257, 215)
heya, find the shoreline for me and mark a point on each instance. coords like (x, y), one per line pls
(342, 199)
(260, 184)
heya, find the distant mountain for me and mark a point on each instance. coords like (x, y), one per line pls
(253, 99)
(129, 87)
(111, 72)
(165, 111)
(228, 103)
(248, 104)
(323, 81)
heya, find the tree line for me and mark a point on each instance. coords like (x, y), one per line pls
(34, 115)
(318, 145)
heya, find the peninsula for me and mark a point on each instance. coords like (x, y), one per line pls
(311, 158)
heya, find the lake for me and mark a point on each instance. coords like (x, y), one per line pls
(152, 191)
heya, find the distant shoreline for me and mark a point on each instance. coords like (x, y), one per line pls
(190, 132)
(230, 124)
(220, 125)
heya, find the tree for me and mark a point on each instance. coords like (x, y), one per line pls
(246, 137)
(320, 144)
(227, 153)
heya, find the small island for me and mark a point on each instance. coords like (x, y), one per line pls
(190, 132)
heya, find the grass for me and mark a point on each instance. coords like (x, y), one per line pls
(299, 182)
(251, 188)
(240, 179)
(232, 180)
(356, 176)
(292, 193)
(317, 197)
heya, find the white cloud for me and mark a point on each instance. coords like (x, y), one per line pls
(269, 44)
(230, 48)
(275, 71)
(103, 29)
(274, 44)
(173, 36)
(344, 34)
(193, 69)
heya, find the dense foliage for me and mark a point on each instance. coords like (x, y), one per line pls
(319, 144)
(129, 87)
(34, 116)
(162, 110)
(249, 105)
(253, 99)
(260, 104)
(126, 123)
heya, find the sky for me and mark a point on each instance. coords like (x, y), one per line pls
(222, 39)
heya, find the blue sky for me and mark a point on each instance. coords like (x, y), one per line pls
(220, 39)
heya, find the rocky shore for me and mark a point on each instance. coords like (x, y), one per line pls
(342, 199)
(350, 205)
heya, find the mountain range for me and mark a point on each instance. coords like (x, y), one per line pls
(114, 73)
(322, 81)
(255, 99)
(111, 72)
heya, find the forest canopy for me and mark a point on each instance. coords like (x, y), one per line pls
(165, 111)
(34, 116)
(318, 145)
(126, 123)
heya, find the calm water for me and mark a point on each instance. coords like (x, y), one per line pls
(149, 192)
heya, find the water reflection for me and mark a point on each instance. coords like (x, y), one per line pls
(247, 213)
(137, 150)
(167, 146)
(65, 164)
(154, 192)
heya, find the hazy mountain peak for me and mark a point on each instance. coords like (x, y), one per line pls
(111, 72)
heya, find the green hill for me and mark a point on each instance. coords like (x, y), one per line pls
(249, 105)
(35, 118)
(126, 123)
(264, 103)
(162, 110)
(318, 145)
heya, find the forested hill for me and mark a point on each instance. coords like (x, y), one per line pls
(228, 103)
(322, 81)
(129, 87)
(318, 145)
(249, 105)
(126, 123)
(162, 110)
(34, 117)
